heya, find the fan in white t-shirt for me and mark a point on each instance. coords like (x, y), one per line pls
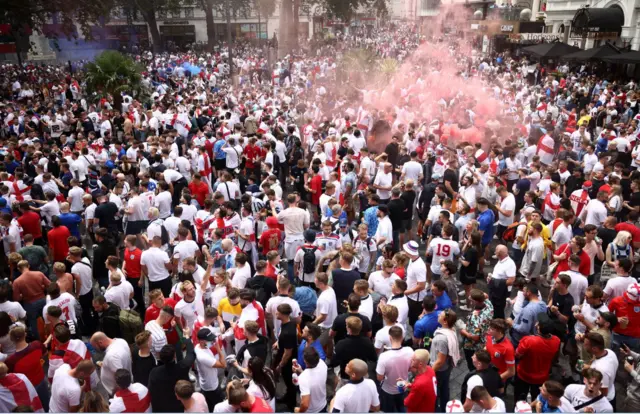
(487, 403)
(65, 301)
(190, 307)
(360, 395)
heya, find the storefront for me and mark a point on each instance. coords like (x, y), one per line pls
(505, 35)
(179, 33)
(592, 27)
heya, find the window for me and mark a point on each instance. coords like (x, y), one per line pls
(175, 14)
(162, 14)
(188, 12)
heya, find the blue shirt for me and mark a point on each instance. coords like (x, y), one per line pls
(427, 325)
(526, 321)
(71, 221)
(216, 247)
(485, 224)
(371, 220)
(317, 345)
(217, 149)
(443, 302)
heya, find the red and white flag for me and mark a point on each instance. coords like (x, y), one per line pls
(15, 390)
(135, 399)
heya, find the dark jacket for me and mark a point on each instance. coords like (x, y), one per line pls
(353, 347)
(163, 379)
(256, 349)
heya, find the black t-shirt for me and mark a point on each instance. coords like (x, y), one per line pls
(106, 215)
(607, 236)
(343, 283)
(469, 272)
(409, 197)
(451, 176)
(392, 153)
(396, 213)
(288, 339)
(564, 303)
(340, 325)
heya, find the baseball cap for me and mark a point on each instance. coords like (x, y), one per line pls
(206, 335)
(587, 184)
(609, 317)
(343, 222)
(309, 236)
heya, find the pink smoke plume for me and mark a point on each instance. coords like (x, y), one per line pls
(428, 86)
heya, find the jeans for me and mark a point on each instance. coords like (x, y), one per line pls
(522, 388)
(43, 393)
(443, 389)
(34, 310)
(633, 343)
(213, 397)
(396, 241)
(89, 318)
(392, 403)
(138, 296)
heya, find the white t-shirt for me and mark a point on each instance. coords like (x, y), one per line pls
(590, 314)
(84, 271)
(617, 286)
(508, 204)
(504, 269)
(574, 394)
(50, 209)
(120, 294)
(158, 337)
(242, 275)
(382, 339)
(155, 259)
(402, 304)
(596, 213)
(416, 272)
(190, 311)
(207, 376)
(327, 304)
(608, 367)
(357, 398)
(380, 284)
(184, 250)
(562, 235)
(66, 302)
(385, 229)
(498, 408)
(199, 404)
(163, 203)
(442, 250)
(14, 309)
(384, 180)
(394, 364)
(229, 190)
(272, 306)
(313, 382)
(118, 356)
(75, 195)
(65, 391)
(412, 170)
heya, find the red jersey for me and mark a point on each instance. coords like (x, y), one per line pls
(27, 362)
(630, 227)
(316, 185)
(251, 151)
(502, 353)
(621, 306)
(132, 262)
(57, 238)
(270, 240)
(585, 261)
(422, 396)
(30, 223)
(270, 272)
(152, 313)
(536, 355)
(260, 406)
(199, 191)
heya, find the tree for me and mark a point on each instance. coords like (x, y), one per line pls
(112, 73)
(27, 16)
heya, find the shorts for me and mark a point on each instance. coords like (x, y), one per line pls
(406, 225)
(220, 164)
(136, 227)
(324, 336)
(291, 247)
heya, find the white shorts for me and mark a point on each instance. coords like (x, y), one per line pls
(291, 247)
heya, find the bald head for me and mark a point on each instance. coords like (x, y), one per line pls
(358, 368)
(502, 251)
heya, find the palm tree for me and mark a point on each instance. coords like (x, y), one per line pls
(113, 73)
(389, 67)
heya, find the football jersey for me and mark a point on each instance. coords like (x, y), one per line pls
(442, 250)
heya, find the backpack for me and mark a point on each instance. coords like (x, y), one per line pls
(261, 294)
(509, 234)
(164, 234)
(130, 325)
(309, 259)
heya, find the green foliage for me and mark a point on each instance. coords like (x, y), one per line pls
(347, 9)
(113, 73)
(388, 67)
(266, 7)
(27, 15)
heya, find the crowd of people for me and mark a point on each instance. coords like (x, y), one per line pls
(197, 251)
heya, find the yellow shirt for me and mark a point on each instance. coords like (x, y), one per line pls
(546, 237)
(228, 311)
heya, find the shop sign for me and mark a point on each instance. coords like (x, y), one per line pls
(541, 36)
(506, 28)
(176, 22)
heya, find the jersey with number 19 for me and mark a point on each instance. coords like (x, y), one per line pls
(442, 250)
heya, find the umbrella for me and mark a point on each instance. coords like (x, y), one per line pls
(550, 50)
(628, 57)
(594, 53)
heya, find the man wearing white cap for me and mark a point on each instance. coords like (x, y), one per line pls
(416, 281)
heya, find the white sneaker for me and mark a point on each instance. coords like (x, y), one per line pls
(461, 293)
(494, 257)
(465, 308)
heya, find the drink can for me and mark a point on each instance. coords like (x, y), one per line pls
(401, 384)
(630, 360)
(294, 379)
(579, 365)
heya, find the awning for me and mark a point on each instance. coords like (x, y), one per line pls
(550, 50)
(594, 53)
(598, 20)
(629, 57)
